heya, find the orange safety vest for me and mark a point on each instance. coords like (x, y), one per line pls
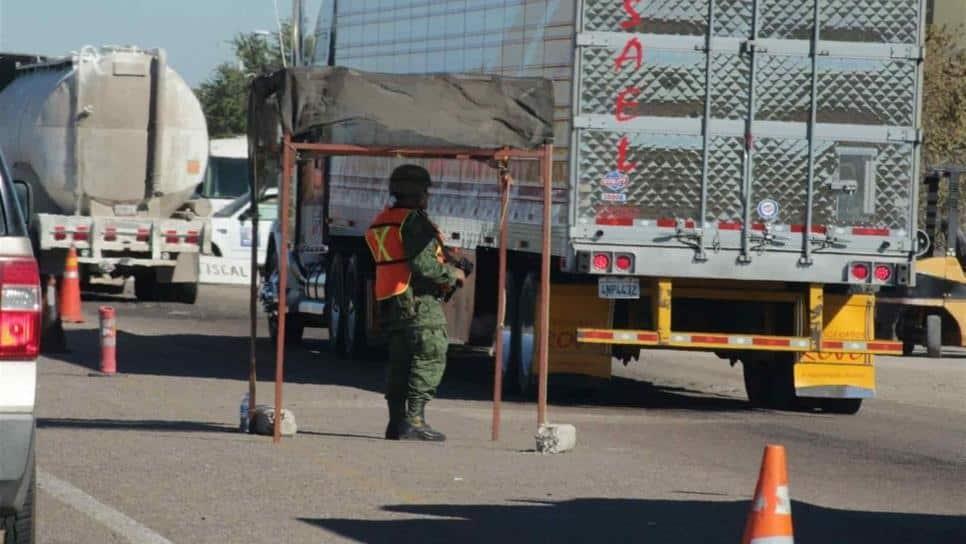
(384, 238)
(385, 242)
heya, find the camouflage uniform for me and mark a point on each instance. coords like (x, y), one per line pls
(415, 321)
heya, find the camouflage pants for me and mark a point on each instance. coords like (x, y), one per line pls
(417, 359)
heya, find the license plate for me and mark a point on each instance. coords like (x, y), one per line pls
(619, 288)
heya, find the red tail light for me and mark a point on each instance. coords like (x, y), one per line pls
(171, 237)
(624, 263)
(110, 234)
(19, 309)
(601, 262)
(60, 232)
(144, 234)
(860, 271)
(883, 272)
(81, 234)
(193, 237)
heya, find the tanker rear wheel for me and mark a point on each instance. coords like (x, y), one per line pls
(146, 286)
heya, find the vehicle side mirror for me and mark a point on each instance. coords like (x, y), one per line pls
(23, 198)
(245, 215)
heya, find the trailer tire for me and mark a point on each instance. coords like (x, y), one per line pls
(509, 333)
(847, 407)
(934, 336)
(294, 329)
(354, 310)
(522, 375)
(335, 303)
(757, 382)
(146, 286)
(186, 293)
(770, 381)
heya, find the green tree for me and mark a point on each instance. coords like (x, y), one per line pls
(944, 99)
(224, 95)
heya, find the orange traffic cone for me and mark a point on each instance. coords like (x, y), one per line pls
(70, 298)
(770, 518)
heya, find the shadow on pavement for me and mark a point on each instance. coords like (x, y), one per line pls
(134, 425)
(154, 425)
(226, 357)
(625, 520)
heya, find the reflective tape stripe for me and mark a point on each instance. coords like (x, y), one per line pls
(774, 540)
(648, 337)
(708, 339)
(625, 336)
(885, 346)
(595, 335)
(774, 342)
(71, 274)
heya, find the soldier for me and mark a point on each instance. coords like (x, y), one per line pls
(411, 279)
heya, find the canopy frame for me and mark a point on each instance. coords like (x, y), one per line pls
(291, 150)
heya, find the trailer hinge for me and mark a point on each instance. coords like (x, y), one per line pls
(910, 52)
(907, 136)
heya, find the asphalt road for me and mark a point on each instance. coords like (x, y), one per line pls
(667, 451)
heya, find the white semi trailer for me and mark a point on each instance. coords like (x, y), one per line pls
(110, 145)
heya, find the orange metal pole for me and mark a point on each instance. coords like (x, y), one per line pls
(287, 160)
(546, 174)
(505, 181)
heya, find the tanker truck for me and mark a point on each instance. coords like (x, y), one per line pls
(109, 145)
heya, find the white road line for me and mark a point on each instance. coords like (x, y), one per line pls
(113, 519)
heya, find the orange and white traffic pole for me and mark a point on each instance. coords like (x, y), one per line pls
(108, 341)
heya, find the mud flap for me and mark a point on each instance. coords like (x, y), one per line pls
(835, 375)
(840, 375)
(574, 306)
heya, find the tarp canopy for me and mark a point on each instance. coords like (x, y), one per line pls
(336, 105)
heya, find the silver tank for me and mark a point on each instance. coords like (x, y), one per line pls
(109, 131)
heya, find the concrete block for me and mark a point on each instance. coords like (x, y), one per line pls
(556, 438)
(263, 421)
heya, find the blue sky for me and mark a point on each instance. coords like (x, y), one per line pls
(194, 32)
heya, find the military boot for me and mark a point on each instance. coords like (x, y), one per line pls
(397, 416)
(415, 426)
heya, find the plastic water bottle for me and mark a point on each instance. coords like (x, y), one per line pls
(243, 415)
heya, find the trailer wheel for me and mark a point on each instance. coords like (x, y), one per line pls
(294, 328)
(934, 336)
(757, 381)
(335, 303)
(354, 310)
(770, 380)
(509, 333)
(186, 293)
(146, 286)
(522, 375)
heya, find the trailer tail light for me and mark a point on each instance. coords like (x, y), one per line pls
(81, 234)
(601, 262)
(19, 309)
(143, 234)
(860, 271)
(624, 263)
(883, 273)
(193, 237)
(171, 237)
(110, 234)
(60, 232)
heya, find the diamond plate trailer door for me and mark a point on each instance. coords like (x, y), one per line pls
(722, 132)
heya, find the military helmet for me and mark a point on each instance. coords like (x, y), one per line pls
(409, 180)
